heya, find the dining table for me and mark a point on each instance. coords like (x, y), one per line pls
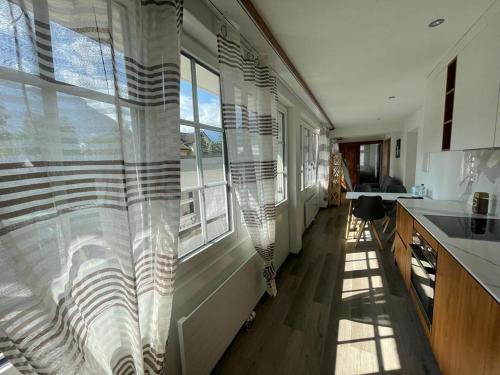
(354, 195)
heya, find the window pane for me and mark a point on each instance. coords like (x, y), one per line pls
(280, 187)
(306, 157)
(280, 179)
(190, 232)
(80, 60)
(186, 90)
(281, 126)
(189, 169)
(208, 91)
(212, 159)
(16, 27)
(311, 158)
(216, 211)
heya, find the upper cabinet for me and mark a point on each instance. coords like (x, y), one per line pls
(476, 91)
(433, 111)
(497, 133)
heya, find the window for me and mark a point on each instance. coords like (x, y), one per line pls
(309, 156)
(204, 191)
(362, 155)
(281, 178)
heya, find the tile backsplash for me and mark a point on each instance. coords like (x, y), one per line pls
(457, 175)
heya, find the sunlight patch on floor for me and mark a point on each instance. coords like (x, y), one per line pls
(366, 342)
(356, 265)
(353, 330)
(357, 358)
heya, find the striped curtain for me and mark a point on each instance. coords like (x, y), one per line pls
(249, 111)
(323, 166)
(89, 183)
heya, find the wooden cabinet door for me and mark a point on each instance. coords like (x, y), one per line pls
(493, 356)
(401, 255)
(465, 316)
(404, 224)
(476, 90)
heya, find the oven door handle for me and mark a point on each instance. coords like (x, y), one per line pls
(418, 258)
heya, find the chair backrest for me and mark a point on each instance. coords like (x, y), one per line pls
(362, 188)
(369, 208)
(388, 181)
(396, 189)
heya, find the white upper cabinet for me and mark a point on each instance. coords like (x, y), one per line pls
(434, 111)
(476, 90)
(497, 132)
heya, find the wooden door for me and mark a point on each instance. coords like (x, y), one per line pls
(350, 152)
(386, 158)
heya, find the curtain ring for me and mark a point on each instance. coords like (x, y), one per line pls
(223, 30)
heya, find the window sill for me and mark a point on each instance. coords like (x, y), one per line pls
(187, 257)
(281, 206)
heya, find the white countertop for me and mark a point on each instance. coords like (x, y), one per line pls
(353, 195)
(480, 258)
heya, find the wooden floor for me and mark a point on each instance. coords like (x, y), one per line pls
(339, 310)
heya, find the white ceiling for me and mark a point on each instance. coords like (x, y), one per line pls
(354, 54)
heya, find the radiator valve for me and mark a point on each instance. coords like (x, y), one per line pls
(249, 321)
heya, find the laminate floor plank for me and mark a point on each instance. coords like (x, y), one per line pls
(339, 310)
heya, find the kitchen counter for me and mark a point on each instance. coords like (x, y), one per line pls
(480, 258)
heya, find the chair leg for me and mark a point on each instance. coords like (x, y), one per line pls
(392, 234)
(375, 232)
(349, 220)
(360, 232)
(386, 223)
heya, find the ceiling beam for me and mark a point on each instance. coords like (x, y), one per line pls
(252, 12)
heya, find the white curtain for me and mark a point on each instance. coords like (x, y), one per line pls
(89, 183)
(323, 167)
(249, 111)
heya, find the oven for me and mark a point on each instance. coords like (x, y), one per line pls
(423, 274)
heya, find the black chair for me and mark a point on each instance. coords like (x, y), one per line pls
(363, 188)
(368, 209)
(390, 207)
(396, 189)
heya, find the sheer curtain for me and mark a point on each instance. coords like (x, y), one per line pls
(323, 166)
(249, 111)
(89, 183)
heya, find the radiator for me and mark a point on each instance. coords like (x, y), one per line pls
(311, 208)
(207, 331)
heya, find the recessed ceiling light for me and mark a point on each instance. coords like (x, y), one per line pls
(437, 22)
(392, 97)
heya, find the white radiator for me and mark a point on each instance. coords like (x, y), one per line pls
(311, 208)
(207, 331)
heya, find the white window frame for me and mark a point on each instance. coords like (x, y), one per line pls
(200, 189)
(282, 110)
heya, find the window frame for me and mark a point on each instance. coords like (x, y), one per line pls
(310, 161)
(202, 186)
(283, 110)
